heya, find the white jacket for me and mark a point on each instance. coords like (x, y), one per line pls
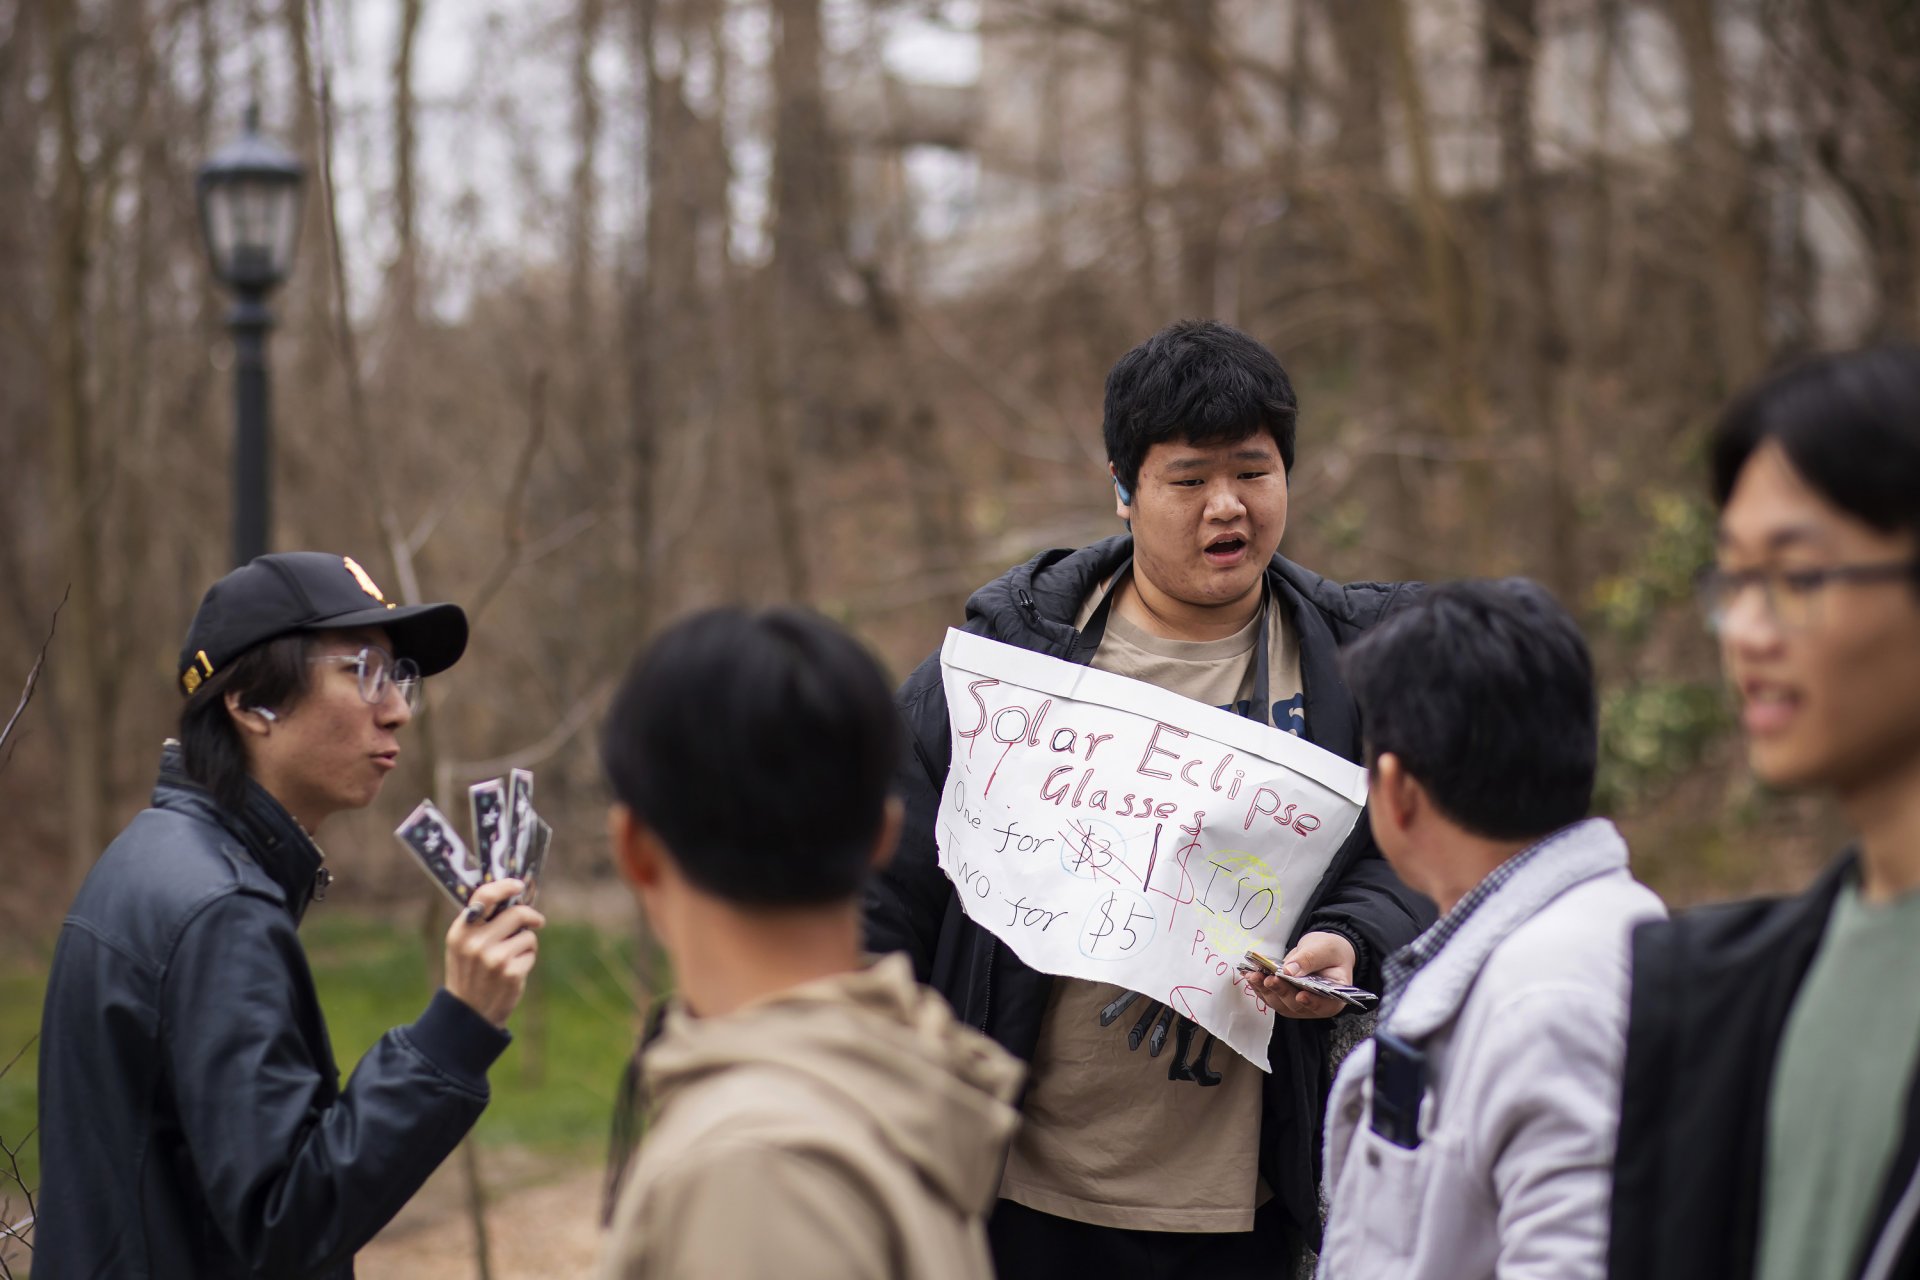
(1522, 1017)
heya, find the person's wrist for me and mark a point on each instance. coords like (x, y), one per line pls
(458, 1038)
(479, 1008)
(1341, 940)
(1353, 940)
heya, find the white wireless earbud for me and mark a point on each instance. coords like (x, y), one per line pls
(265, 714)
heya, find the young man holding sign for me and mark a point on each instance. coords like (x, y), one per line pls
(1126, 1161)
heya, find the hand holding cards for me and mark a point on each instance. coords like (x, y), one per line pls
(509, 839)
(491, 948)
(1353, 996)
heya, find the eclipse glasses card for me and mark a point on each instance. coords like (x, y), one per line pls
(440, 850)
(1357, 997)
(530, 859)
(487, 802)
(510, 839)
(520, 816)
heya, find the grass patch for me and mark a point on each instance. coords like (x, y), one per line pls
(553, 1089)
(21, 989)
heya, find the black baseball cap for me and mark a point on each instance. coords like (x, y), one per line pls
(311, 591)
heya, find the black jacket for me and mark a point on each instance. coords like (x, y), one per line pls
(912, 907)
(191, 1117)
(1711, 993)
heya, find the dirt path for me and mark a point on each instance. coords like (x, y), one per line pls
(543, 1219)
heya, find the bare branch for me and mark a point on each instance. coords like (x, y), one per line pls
(1038, 429)
(16, 1230)
(559, 536)
(18, 1053)
(33, 681)
(513, 530)
(527, 757)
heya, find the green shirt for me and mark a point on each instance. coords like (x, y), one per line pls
(1839, 1100)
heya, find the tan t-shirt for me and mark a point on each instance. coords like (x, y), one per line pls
(1107, 1139)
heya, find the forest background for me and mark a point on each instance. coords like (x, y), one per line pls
(608, 309)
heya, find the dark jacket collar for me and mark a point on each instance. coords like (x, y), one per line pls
(1731, 941)
(1033, 605)
(263, 827)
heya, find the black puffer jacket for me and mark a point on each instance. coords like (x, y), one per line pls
(912, 907)
(191, 1117)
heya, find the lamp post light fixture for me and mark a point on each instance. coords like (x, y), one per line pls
(250, 214)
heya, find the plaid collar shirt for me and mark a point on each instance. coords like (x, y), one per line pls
(1416, 955)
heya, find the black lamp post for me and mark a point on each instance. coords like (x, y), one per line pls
(250, 213)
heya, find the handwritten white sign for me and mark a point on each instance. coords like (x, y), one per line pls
(1109, 830)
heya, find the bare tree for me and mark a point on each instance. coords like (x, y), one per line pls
(1530, 328)
(79, 478)
(404, 289)
(588, 370)
(1724, 204)
(1861, 68)
(1204, 191)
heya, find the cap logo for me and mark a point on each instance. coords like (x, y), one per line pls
(191, 678)
(366, 582)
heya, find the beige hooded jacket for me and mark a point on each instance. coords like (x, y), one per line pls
(847, 1128)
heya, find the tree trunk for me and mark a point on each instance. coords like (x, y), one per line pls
(807, 251)
(1449, 304)
(404, 278)
(1595, 325)
(307, 290)
(585, 407)
(77, 476)
(638, 337)
(1205, 184)
(1530, 325)
(1722, 195)
(1141, 197)
(806, 196)
(1365, 215)
(1448, 307)
(777, 455)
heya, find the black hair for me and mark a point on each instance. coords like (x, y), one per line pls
(1484, 690)
(1849, 424)
(273, 674)
(1198, 382)
(760, 748)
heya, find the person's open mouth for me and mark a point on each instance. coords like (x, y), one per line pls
(1226, 549)
(1767, 707)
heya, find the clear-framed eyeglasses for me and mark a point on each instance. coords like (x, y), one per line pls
(378, 671)
(1791, 597)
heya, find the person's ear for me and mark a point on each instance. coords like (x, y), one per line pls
(1122, 496)
(258, 721)
(636, 850)
(891, 820)
(1396, 794)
